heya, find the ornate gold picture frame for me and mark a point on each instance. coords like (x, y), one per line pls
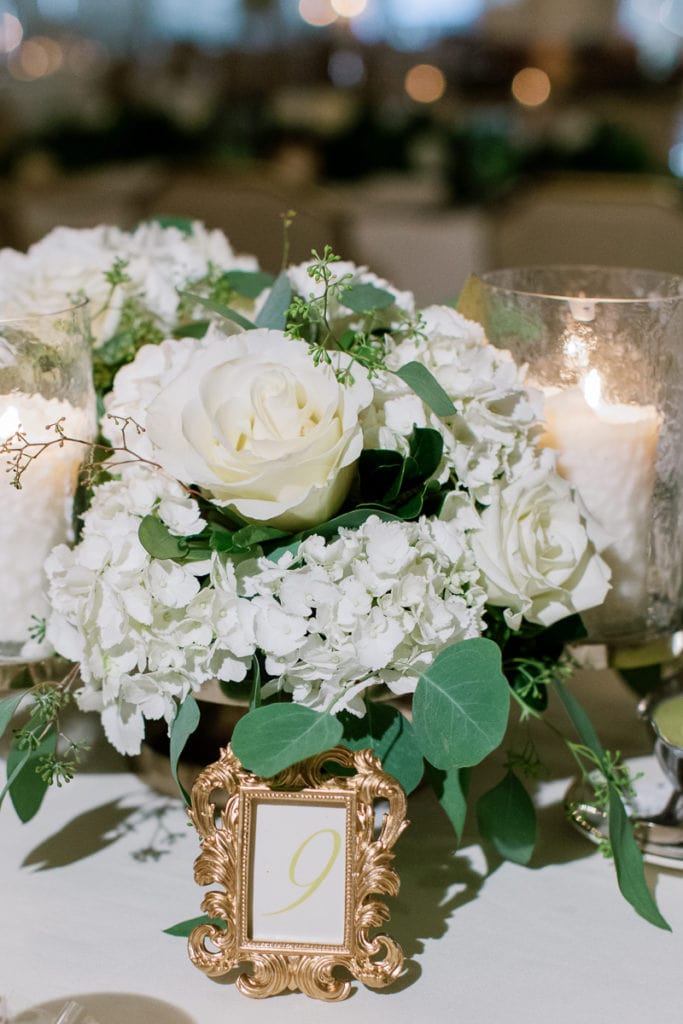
(301, 863)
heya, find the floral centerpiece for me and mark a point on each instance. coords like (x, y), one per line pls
(323, 498)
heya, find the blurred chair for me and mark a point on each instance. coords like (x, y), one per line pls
(427, 251)
(607, 220)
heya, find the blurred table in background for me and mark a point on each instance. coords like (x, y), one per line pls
(401, 227)
(87, 888)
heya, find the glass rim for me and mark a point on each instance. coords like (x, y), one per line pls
(488, 278)
(62, 311)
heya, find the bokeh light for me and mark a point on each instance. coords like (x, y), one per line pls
(676, 159)
(317, 12)
(346, 68)
(531, 87)
(425, 83)
(349, 8)
(36, 58)
(11, 33)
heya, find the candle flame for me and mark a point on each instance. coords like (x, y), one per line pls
(592, 389)
(9, 422)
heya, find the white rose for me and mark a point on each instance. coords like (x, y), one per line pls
(534, 552)
(260, 428)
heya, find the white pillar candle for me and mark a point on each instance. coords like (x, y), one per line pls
(608, 452)
(36, 517)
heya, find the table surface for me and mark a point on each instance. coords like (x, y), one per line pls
(87, 888)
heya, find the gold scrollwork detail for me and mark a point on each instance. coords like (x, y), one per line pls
(220, 813)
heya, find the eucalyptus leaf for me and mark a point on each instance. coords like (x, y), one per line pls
(248, 283)
(275, 736)
(221, 309)
(115, 348)
(450, 786)
(628, 862)
(426, 387)
(249, 536)
(507, 819)
(274, 311)
(8, 706)
(182, 727)
(461, 704)
(365, 298)
(193, 329)
(255, 693)
(13, 773)
(580, 719)
(27, 788)
(390, 735)
(157, 540)
(426, 448)
(184, 928)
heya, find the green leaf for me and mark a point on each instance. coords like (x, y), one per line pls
(580, 719)
(116, 348)
(247, 283)
(426, 448)
(7, 708)
(183, 928)
(26, 788)
(365, 298)
(427, 387)
(507, 818)
(272, 738)
(183, 224)
(451, 786)
(274, 312)
(222, 310)
(381, 474)
(157, 540)
(391, 736)
(628, 862)
(461, 704)
(182, 727)
(249, 536)
(255, 692)
(194, 329)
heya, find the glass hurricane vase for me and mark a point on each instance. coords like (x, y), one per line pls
(604, 346)
(45, 378)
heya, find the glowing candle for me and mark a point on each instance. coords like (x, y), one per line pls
(608, 452)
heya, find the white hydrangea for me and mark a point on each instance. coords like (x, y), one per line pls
(160, 260)
(493, 431)
(370, 608)
(69, 263)
(65, 265)
(145, 631)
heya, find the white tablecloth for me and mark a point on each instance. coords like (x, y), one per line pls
(88, 887)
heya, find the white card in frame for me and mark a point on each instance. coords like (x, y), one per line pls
(302, 866)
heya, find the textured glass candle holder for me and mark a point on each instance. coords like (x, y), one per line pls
(45, 378)
(605, 346)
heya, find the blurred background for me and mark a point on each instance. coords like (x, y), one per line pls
(426, 138)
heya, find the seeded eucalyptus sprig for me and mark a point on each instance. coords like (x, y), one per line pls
(41, 754)
(308, 318)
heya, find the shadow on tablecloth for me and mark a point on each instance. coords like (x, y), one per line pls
(112, 1008)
